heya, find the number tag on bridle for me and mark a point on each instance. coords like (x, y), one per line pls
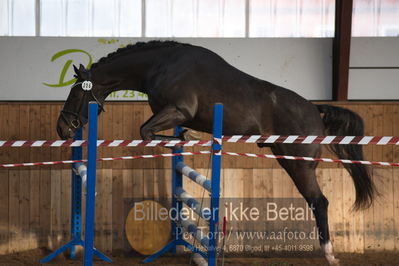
(87, 85)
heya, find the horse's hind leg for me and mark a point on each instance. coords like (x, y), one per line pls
(304, 176)
(167, 118)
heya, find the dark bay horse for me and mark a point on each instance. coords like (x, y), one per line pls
(183, 82)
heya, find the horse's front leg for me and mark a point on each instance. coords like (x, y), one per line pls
(167, 118)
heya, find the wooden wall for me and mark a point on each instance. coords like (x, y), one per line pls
(35, 201)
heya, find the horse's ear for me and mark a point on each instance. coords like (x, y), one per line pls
(83, 73)
(77, 72)
(82, 68)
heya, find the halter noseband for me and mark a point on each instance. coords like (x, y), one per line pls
(77, 121)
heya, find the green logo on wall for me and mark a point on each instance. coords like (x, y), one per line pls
(62, 82)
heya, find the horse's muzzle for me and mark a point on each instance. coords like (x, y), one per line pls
(63, 130)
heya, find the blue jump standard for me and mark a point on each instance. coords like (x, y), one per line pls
(177, 187)
(76, 209)
(177, 182)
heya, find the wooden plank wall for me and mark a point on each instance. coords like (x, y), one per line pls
(35, 201)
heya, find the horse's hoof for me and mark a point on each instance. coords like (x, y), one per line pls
(328, 253)
(191, 135)
(332, 260)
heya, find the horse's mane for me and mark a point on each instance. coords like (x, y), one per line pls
(137, 47)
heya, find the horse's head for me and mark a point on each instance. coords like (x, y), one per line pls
(75, 112)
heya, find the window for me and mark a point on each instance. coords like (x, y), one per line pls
(17, 17)
(90, 18)
(375, 18)
(193, 18)
(292, 18)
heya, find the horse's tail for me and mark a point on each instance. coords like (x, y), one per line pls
(343, 122)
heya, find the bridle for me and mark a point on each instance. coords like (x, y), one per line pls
(78, 120)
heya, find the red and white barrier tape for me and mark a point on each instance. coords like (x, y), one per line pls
(292, 139)
(103, 143)
(299, 158)
(105, 159)
(253, 155)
